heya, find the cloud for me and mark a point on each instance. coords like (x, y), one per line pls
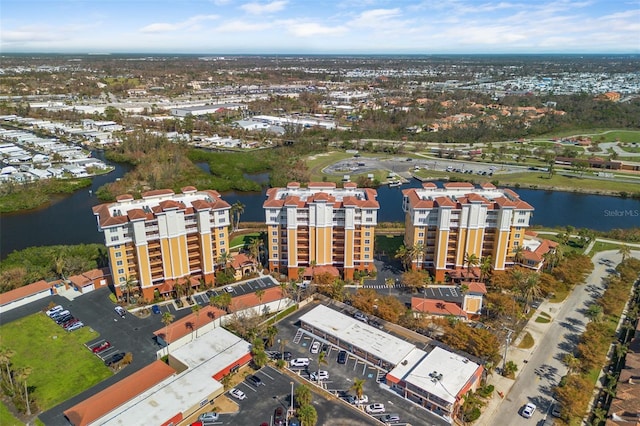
(255, 8)
(239, 26)
(189, 24)
(311, 29)
(27, 36)
(376, 18)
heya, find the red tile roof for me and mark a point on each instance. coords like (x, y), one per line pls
(456, 185)
(25, 291)
(157, 193)
(96, 406)
(188, 324)
(476, 287)
(124, 197)
(250, 300)
(436, 307)
(241, 259)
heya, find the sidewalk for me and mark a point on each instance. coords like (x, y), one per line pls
(520, 357)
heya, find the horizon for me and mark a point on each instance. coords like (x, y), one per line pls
(323, 27)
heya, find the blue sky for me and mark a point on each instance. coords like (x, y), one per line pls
(320, 26)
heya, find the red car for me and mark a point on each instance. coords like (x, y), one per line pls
(101, 347)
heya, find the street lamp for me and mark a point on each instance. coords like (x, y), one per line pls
(506, 346)
(291, 409)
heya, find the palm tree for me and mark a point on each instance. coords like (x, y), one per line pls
(530, 289)
(5, 359)
(518, 254)
(127, 286)
(271, 333)
(254, 249)
(308, 415)
(625, 252)
(236, 210)
(594, 312)
(471, 260)
(404, 255)
(196, 311)
(167, 318)
(225, 259)
(358, 387)
(417, 252)
(21, 377)
(322, 358)
(485, 268)
(572, 363)
(283, 292)
(389, 282)
(621, 352)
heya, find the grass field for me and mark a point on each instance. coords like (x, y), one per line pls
(388, 244)
(7, 419)
(601, 135)
(61, 365)
(243, 240)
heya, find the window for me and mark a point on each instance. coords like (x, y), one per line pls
(119, 263)
(367, 241)
(220, 212)
(114, 238)
(274, 248)
(369, 219)
(367, 248)
(121, 271)
(517, 235)
(118, 254)
(273, 218)
(221, 235)
(420, 241)
(221, 243)
(274, 233)
(116, 247)
(122, 279)
(367, 234)
(223, 250)
(420, 234)
(366, 256)
(275, 255)
(521, 220)
(518, 228)
(274, 240)
(516, 243)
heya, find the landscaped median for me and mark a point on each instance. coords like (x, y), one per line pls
(60, 364)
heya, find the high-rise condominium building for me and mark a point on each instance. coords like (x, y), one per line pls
(445, 226)
(164, 236)
(321, 226)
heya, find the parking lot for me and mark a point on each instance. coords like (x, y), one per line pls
(261, 402)
(342, 376)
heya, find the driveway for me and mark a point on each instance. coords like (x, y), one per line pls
(540, 368)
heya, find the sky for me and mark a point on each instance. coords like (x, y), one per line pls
(320, 26)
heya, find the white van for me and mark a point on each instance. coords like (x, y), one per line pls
(299, 362)
(54, 310)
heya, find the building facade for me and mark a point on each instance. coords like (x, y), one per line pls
(321, 225)
(448, 224)
(164, 236)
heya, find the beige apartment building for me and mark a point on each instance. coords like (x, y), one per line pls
(321, 228)
(460, 219)
(164, 237)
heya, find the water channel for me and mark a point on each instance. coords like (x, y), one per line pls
(71, 221)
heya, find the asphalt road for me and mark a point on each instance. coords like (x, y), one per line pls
(544, 367)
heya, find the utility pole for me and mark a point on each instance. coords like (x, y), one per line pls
(506, 346)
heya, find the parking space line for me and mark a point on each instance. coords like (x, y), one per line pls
(250, 387)
(267, 375)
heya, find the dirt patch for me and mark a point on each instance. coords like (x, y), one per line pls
(224, 405)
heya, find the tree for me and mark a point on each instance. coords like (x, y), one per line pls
(571, 362)
(518, 254)
(530, 288)
(128, 286)
(625, 252)
(222, 301)
(167, 318)
(5, 359)
(389, 282)
(302, 396)
(255, 246)
(196, 311)
(308, 415)
(471, 260)
(322, 358)
(259, 294)
(21, 377)
(271, 332)
(236, 210)
(404, 256)
(594, 312)
(485, 268)
(358, 387)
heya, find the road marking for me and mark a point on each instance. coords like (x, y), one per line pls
(268, 375)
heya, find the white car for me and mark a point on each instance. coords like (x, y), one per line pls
(237, 393)
(374, 408)
(75, 326)
(528, 410)
(229, 289)
(299, 362)
(208, 417)
(362, 400)
(360, 317)
(319, 375)
(315, 348)
(54, 310)
(120, 311)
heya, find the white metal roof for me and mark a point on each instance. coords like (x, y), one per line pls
(370, 339)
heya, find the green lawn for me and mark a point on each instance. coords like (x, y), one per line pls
(61, 365)
(7, 419)
(600, 246)
(243, 240)
(607, 135)
(388, 243)
(527, 341)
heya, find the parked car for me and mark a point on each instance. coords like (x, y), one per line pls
(65, 319)
(211, 416)
(360, 317)
(556, 410)
(75, 326)
(528, 410)
(315, 348)
(376, 408)
(364, 399)
(114, 359)
(237, 394)
(278, 417)
(319, 375)
(229, 289)
(255, 380)
(299, 362)
(120, 311)
(101, 347)
(390, 418)
(342, 357)
(60, 314)
(155, 309)
(69, 323)
(54, 310)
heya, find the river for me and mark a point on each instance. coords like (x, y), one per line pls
(71, 221)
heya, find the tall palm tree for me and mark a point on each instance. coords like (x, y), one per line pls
(572, 363)
(225, 259)
(5, 359)
(417, 253)
(485, 268)
(518, 254)
(167, 318)
(21, 377)
(471, 260)
(236, 210)
(404, 255)
(358, 387)
(128, 286)
(254, 249)
(625, 252)
(259, 294)
(389, 282)
(322, 358)
(196, 311)
(530, 289)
